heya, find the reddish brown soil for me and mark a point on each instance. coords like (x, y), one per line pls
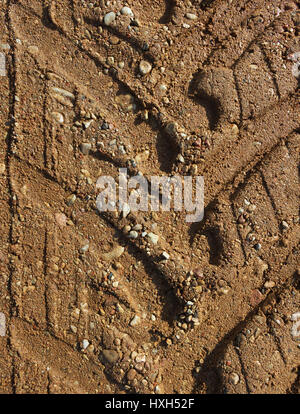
(222, 92)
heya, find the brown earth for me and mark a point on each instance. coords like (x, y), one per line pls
(218, 313)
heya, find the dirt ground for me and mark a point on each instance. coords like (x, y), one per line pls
(145, 302)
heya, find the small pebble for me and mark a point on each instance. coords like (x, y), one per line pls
(126, 229)
(131, 374)
(33, 49)
(165, 255)
(64, 93)
(61, 219)
(86, 124)
(145, 67)
(114, 40)
(85, 148)
(119, 308)
(110, 355)
(269, 284)
(133, 234)
(191, 16)
(135, 321)
(114, 254)
(58, 117)
(180, 158)
(110, 60)
(125, 210)
(257, 246)
(251, 208)
(234, 378)
(5, 46)
(109, 18)
(235, 129)
(84, 248)
(126, 11)
(71, 200)
(140, 358)
(85, 344)
(153, 238)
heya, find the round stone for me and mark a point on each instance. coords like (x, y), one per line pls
(58, 117)
(133, 235)
(110, 356)
(234, 378)
(131, 374)
(126, 11)
(145, 67)
(109, 18)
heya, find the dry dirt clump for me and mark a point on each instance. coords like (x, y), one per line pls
(144, 302)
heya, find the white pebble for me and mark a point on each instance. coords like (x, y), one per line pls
(126, 11)
(85, 248)
(165, 255)
(296, 65)
(133, 234)
(85, 344)
(58, 117)
(145, 67)
(5, 46)
(125, 210)
(153, 238)
(180, 158)
(135, 321)
(295, 331)
(63, 92)
(191, 16)
(87, 123)
(234, 378)
(109, 18)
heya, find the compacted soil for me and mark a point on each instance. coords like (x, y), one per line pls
(145, 302)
